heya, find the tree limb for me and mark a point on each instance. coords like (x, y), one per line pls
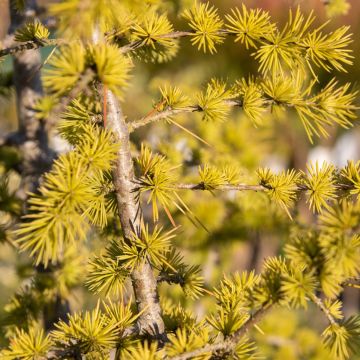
(150, 321)
(168, 112)
(225, 187)
(29, 45)
(353, 282)
(319, 303)
(229, 343)
(140, 43)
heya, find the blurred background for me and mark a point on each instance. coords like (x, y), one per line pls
(243, 228)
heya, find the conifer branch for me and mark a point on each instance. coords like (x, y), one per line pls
(331, 105)
(230, 342)
(353, 282)
(140, 43)
(160, 115)
(224, 187)
(169, 112)
(29, 45)
(144, 283)
(319, 303)
(246, 187)
(65, 100)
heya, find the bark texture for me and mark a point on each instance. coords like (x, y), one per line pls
(144, 283)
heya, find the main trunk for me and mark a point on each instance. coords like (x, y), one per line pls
(144, 283)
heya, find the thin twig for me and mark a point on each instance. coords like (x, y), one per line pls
(224, 187)
(139, 43)
(29, 45)
(317, 301)
(153, 117)
(229, 343)
(169, 112)
(353, 282)
(82, 84)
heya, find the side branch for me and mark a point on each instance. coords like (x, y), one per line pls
(168, 112)
(140, 43)
(156, 116)
(229, 343)
(225, 187)
(319, 303)
(29, 45)
(243, 187)
(353, 282)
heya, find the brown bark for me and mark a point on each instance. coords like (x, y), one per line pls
(228, 344)
(144, 283)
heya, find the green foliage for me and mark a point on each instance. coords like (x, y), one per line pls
(30, 345)
(157, 177)
(345, 251)
(286, 49)
(79, 199)
(337, 7)
(253, 102)
(329, 51)
(106, 273)
(213, 101)
(173, 97)
(246, 350)
(103, 13)
(320, 184)
(66, 68)
(281, 187)
(9, 202)
(176, 316)
(153, 247)
(249, 26)
(54, 215)
(151, 33)
(77, 115)
(143, 351)
(182, 341)
(6, 84)
(332, 255)
(228, 322)
(175, 270)
(297, 285)
(234, 294)
(112, 68)
(211, 177)
(334, 308)
(343, 338)
(206, 24)
(333, 105)
(270, 284)
(34, 31)
(152, 30)
(329, 106)
(44, 107)
(94, 332)
(71, 195)
(351, 175)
